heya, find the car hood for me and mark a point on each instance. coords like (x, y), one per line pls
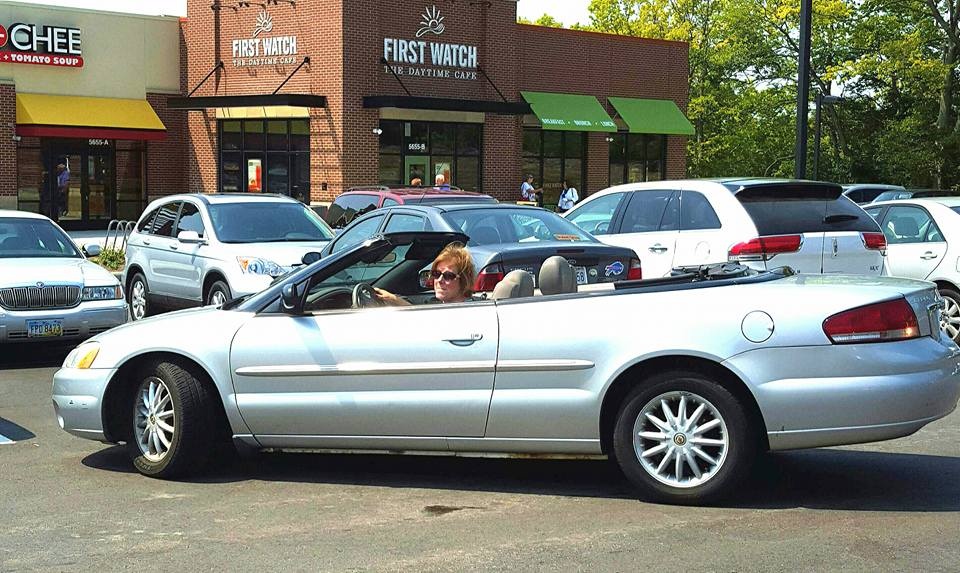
(30, 271)
(284, 254)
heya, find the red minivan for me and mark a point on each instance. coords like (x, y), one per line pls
(359, 200)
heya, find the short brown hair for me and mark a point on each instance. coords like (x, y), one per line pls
(457, 254)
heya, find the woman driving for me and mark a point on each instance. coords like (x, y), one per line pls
(453, 275)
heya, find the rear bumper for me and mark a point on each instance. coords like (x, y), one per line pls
(78, 400)
(86, 320)
(833, 395)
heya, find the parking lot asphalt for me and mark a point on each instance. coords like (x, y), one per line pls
(73, 505)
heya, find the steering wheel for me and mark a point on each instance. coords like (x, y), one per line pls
(364, 297)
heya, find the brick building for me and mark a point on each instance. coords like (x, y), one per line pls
(311, 98)
(85, 136)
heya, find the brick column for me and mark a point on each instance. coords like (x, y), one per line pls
(8, 147)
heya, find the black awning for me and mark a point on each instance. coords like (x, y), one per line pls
(256, 100)
(447, 104)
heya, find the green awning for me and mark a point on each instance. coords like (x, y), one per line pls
(569, 112)
(660, 116)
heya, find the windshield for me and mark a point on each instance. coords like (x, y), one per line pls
(21, 238)
(256, 222)
(494, 226)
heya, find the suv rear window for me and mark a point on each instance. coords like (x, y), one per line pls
(784, 209)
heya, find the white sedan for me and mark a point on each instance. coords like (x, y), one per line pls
(48, 289)
(923, 242)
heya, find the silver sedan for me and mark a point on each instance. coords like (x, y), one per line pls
(778, 361)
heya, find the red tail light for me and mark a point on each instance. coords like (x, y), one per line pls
(763, 248)
(488, 278)
(874, 241)
(634, 272)
(881, 322)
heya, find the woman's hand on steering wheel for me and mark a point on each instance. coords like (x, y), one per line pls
(365, 296)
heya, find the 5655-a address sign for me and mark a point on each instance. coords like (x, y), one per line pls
(40, 45)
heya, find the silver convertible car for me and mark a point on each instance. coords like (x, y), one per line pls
(779, 361)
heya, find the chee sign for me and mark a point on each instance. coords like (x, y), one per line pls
(41, 45)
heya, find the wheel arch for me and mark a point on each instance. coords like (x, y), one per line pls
(213, 276)
(945, 284)
(124, 383)
(132, 271)
(637, 373)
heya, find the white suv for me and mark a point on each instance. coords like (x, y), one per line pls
(190, 250)
(763, 223)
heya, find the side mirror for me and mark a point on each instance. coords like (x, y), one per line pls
(92, 250)
(289, 299)
(310, 258)
(190, 237)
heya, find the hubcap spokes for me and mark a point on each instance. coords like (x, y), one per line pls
(217, 298)
(155, 421)
(138, 300)
(950, 318)
(680, 439)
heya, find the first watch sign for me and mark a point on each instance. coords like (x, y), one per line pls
(40, 45)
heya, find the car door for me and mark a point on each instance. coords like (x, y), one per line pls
(702, 239)
(187, 266)
(336, 378)
(915, 245)
(650, 226)
(161, 257)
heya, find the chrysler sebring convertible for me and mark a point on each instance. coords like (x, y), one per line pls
(779, 361)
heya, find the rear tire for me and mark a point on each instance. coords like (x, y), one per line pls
(138, 297)
(174, 424)
(218, 294)
(950, 317)
(682, 438)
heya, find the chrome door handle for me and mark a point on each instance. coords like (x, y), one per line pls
(658, 248)
(928, 255)
(464, 341)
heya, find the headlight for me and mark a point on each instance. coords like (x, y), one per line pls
(82, 357)
(102, 293)
(257, 266)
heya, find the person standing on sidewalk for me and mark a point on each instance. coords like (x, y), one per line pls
(568, 197)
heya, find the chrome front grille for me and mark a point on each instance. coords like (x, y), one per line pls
(40, 298)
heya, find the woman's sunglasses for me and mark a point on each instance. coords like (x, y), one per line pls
(445, 275)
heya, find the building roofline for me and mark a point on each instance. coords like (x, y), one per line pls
(608, 35)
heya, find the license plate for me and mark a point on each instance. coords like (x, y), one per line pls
(581, 275)
(44, 328)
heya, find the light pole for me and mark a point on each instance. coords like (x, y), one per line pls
(820, 101)
(803, 87)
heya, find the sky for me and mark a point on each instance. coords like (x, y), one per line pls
(567, 11)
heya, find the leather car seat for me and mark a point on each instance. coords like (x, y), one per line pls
(557, 276)
(517, 283)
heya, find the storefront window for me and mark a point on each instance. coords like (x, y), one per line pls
(554, 157)
(636, 157)
(421, 150)
(283, 169)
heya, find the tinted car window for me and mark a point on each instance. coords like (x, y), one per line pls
(146, 223)
(697, 213)
(400, 222)
(493, 226)
(789, 209)
(267, 223)
(910, 225)
(596, 216)
(359, 233)
(165, 218)
(647, 211)
(349, 206)
(33, 238)
(190, 220)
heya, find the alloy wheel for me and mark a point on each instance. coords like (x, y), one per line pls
(138, 300)
(155, 420)
(950, 318)
(217, 298)
(680, 439)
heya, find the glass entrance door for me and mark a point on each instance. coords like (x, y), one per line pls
(98, 198)
(82, 183)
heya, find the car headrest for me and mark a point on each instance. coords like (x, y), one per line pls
(516, 284)
(557, 276)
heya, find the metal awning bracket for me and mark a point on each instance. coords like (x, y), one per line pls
(306, 60)
(207, 77)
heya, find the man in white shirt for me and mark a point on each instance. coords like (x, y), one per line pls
(568, 197)
(527, 191)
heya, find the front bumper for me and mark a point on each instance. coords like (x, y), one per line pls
(83, 321)
(78, 400)
(846, 394)
(242, 284)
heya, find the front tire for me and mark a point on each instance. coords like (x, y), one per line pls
(174, 422)
(950, 317)
(682, 438)
(218, 294)
(139, 297)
